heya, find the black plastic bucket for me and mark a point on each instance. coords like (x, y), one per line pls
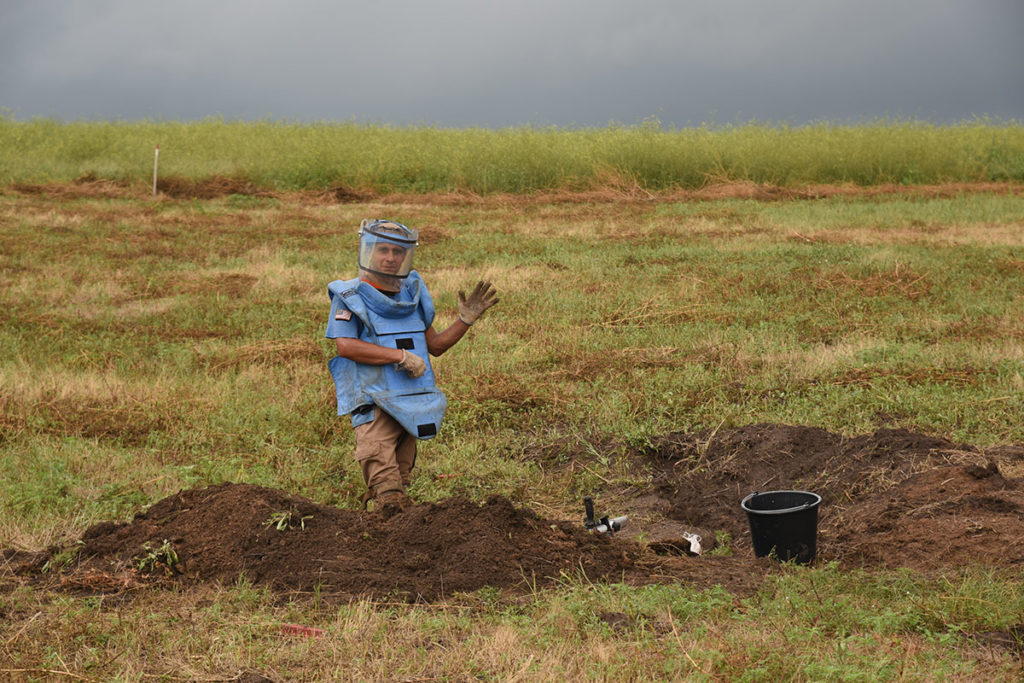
(784, 524)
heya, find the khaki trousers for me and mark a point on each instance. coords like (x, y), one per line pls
(385, 452)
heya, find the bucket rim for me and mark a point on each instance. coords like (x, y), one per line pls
(814, 502)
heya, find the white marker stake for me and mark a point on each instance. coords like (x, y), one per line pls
(156, 161)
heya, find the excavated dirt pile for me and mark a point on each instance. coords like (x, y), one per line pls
(889, 499)
(430, 550)
(892, 498)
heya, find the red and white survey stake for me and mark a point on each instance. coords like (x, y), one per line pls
(156, 161)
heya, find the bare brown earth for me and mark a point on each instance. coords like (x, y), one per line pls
(605, 190)
(889, 499)
(893, 498)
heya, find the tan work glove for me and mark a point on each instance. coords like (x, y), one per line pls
(483, 297)
(412, 364)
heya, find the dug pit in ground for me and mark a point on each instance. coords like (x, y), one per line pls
(891, 498)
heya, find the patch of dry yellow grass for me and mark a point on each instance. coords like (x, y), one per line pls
(952, 235)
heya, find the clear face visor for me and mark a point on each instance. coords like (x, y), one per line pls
(386, 249)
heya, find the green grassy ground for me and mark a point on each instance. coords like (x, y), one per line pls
(417, 159)
(150, 346)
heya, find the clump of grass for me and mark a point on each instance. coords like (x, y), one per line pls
(287, 519)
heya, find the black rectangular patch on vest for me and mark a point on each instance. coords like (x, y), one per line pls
(405, 343)
(429, 429)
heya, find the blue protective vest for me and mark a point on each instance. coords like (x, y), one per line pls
(400, 323)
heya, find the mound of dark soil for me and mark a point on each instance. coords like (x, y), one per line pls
(942, 517)
(889, 499)
(430, 550)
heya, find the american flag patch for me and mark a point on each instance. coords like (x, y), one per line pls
(343, 314)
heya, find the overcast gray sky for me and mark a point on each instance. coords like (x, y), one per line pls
(494, 64)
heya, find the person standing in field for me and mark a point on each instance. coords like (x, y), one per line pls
(382, 324)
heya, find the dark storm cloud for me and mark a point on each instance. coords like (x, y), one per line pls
(465, 63)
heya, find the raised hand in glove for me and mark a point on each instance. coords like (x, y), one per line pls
(412, 364)
(472, 307)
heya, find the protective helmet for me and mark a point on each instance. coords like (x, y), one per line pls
(385, 249)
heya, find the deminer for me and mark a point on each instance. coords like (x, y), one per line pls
(382, 324)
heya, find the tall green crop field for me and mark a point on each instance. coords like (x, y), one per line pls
(385, 159)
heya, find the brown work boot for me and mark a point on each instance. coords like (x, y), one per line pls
(390, 503)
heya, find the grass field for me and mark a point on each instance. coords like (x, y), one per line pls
(383, 159)
(151, 345)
